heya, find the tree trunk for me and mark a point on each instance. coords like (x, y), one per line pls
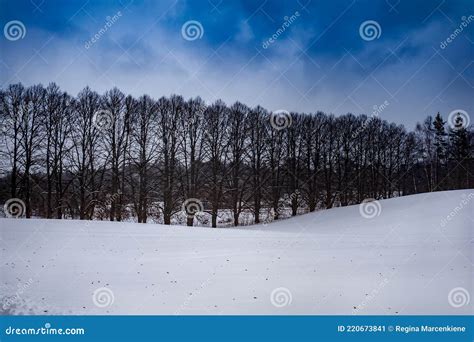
(190, 221)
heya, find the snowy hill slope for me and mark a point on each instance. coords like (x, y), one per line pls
(407, 259)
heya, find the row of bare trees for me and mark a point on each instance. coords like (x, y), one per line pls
(116, 157)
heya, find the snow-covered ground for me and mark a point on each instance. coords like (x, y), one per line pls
(414, 257)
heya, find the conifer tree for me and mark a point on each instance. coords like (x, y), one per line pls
(460, 149)
(440, 145)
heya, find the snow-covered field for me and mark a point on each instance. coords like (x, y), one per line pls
(409, 259)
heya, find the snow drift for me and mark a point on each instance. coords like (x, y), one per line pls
(408, 255)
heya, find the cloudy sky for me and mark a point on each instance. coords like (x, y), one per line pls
(320, 56)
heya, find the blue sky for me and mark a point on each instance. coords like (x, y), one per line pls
(319, 61)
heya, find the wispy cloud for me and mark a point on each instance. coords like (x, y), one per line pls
(319, 63)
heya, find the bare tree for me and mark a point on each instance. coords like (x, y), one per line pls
(57, 132)
(191, 151)
(168, 125)
(11, 105)
(257, 131)
(275, 157)
(111, 156)
(32, 115)
(115, 120)
(216, 143)
(87, 160)
(312, 135)
(238, 114)
(293, 160)
(142, 155)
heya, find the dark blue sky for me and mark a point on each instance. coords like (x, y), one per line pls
(319, 61)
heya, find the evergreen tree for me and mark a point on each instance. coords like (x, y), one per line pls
(460, 149)
(440, 145)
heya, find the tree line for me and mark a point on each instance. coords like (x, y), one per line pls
(117, 157)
